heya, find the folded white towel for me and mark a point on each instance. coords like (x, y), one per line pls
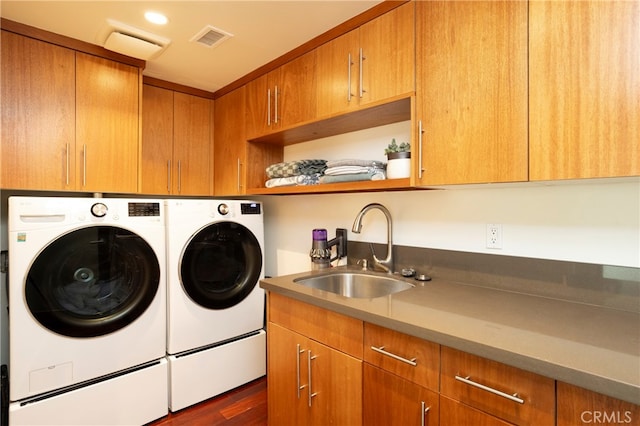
(355, 162)
(346, 170)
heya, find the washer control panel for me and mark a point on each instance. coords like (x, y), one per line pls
(144, 209)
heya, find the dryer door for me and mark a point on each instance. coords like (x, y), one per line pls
(92, 281)
(221, 265)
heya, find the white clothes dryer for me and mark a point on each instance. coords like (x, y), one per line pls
(215, 336)
(87, 307)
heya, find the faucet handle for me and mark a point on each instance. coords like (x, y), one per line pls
(364, 263)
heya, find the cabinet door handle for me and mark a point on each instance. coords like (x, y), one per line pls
(67, 164)
(275, 109)
(298, 353)
(309, 359)
(381, 350)
(239, 176)
(512, 397)
(420, 133)
(179, 176)
(84, 165)
(168, 176)
(349, 65)
(423, 412)
(268, 107)
(362, 58)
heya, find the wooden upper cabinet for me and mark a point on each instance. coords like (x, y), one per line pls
(229, 144)
(471, 92)
(191, 144)
(38, 115)
(107, 124)
(157, 140)
(584, 89)
(282, 98)
(371, 63)
(70, 121)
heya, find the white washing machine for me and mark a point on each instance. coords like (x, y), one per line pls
(215, 336)
(87, 310)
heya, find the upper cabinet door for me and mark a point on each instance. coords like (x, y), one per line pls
(107, 124)
(230, 147)
(369, 64)
(471, 92)
(157, 140)
(191, 144)
(388, 54)
(38, 115)
(584, 89)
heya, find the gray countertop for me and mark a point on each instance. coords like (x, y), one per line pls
(589, 346)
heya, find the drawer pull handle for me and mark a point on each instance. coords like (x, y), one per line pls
(513, 397)
(381, 350)
(298, 386)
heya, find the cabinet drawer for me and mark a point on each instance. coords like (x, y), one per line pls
(506, 392)
(409, 357)
(334, 330)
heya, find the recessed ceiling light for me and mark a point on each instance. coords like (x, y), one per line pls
(156, 18)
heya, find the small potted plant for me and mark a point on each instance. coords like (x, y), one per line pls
(398, 160)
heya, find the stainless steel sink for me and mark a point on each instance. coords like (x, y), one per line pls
(355, 284)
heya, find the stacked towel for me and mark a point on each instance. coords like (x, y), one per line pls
(296, 168)
(353, 170)
(293, 180)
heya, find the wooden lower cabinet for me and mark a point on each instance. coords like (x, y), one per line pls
(509, 393)
(578, 406)
(310, 383)
(455, 413)
(392, 400)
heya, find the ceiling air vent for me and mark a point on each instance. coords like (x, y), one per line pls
(211, 36)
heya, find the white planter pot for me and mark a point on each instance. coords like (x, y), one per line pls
(398, 165)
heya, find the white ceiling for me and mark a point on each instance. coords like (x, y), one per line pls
(262, 30)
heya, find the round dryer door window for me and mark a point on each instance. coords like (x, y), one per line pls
(221, 265)
(92, 281)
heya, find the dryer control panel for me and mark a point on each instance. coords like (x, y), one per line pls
(250, 208)
(144, 209)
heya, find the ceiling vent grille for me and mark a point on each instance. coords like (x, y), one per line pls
(211, 36)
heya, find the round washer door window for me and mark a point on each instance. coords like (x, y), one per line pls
(92, 281)
(221, 265)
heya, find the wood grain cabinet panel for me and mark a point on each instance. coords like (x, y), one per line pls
(495, 388)
(310, 382)
(409, 357)
(455, 413)
(471, 92)
(392, 400)
(369, 64)
(578, 406)
(38, 115)
(584, 89)
(70, 121)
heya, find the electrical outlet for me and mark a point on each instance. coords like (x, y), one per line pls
(494, 236)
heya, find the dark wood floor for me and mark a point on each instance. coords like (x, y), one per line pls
(246, 406)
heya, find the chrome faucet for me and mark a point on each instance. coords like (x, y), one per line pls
(386, 264)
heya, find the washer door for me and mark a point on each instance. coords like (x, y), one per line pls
(221, 265)
(92, 281)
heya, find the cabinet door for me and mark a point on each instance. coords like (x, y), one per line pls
(335, 384)
(389, 400)
(107, 124)
(296, 92)
(157, 140)
(578, 406)
(388, 48)
(258, 115)
(338, 75)
(229, 144)
(191, 145)
(287, 384)
(454, 413)
(584, 89)
(38, 115)
(472, 91)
